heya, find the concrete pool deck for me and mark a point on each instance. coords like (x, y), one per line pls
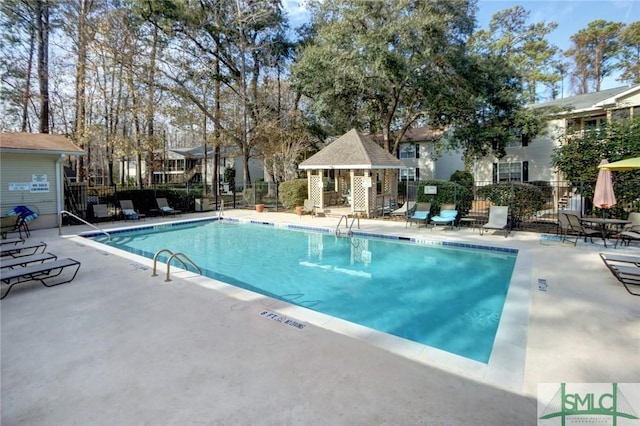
(119, 347)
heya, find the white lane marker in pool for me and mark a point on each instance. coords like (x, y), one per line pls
(282, 319)
(542, 284)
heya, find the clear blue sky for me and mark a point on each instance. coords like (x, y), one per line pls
(570, 15)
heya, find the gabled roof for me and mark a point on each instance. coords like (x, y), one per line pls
(418, 134)
(197, 152)
(38, 143)
(590, 101)
(352, 151)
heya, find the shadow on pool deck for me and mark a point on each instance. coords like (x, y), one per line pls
(118, 347)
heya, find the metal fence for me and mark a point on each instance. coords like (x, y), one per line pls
(534, 209)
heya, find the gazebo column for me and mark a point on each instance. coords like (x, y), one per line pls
(315, 187)
(369, 190)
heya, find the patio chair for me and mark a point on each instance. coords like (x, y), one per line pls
(634, 218)
(626, 269)
(128, 211)
(420, 215)
(576, 227)
(42, 272)
(24, 215)
(101, 212)
(9, 224)
(628, 235)
(447, 216)
(564, 227)
(404, 209)
(165, 208)
(309, 207)
(498, 220)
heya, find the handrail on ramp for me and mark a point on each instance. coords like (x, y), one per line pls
(81, 220)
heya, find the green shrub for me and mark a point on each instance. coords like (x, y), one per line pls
(447, 193)
(292, 193)
(144, 200)
(523, 198)
(463, 178)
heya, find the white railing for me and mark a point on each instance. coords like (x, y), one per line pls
(81, 220)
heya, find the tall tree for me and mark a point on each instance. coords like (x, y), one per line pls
(42, 15)
(80, 29)
(385, 65)
(231, 34)
(524, 45)
(593, 51)
(18, 41)
(630, 53)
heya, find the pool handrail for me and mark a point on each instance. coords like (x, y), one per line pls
(81, 220)
(176, 256)
(346, 224)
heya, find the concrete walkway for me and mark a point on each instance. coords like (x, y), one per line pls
(118, 347)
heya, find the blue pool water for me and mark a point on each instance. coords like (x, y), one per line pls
(450, 298)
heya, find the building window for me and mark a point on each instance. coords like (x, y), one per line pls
(621, 114)
(516, 171)
(409, 174)
(409, 151)
(515, 138)
(585, 124)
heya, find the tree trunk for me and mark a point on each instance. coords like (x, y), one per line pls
(27, 82)
(42, 29)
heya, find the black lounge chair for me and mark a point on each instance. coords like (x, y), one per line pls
(129, 212)
(625, 268)
(42, 272)
(13, 262)
(165, 208)
(22, 250)
(10, 241)
(101, 212)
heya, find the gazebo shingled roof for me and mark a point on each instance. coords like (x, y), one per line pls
(352, 151)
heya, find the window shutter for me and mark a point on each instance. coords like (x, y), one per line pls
(525, 140)
(398, 151)
(495, 172)
(417, 150)
(417, 173)
(525, 171)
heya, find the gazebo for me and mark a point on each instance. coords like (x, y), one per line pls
(359, 164)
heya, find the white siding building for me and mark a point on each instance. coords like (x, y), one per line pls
(529, 162)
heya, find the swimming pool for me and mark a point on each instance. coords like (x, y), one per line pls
(445, 296)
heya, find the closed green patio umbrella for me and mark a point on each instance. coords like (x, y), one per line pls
(622, 165)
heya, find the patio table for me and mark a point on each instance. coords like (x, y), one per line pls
(603, 223)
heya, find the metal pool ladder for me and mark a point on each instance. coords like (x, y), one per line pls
(180, 257)
(346, 224)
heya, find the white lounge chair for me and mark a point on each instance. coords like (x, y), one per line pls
(498, 219)
(404, 209)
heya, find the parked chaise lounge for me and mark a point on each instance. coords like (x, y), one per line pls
(165, 208)
(47, 273)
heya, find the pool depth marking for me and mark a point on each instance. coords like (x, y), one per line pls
(282, 319)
